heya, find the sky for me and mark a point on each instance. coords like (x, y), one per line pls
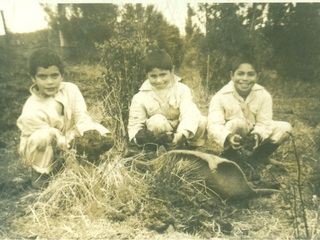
(22, 16)
(28, 16)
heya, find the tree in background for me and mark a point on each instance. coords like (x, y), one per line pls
(80, 26)
(294, 33)
(192, 41)
(282, 36)
(230, 30)
(166, 35)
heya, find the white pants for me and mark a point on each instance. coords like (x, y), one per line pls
(39, 150)
(279, 134)
(158, 124)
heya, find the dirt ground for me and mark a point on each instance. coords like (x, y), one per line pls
(278, 216)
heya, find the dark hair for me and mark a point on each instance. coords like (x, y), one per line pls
(157, 59)
(244, 59)
(45, 58)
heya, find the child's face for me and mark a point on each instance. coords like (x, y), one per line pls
(48, 80)
(159, 78)
(244, 78)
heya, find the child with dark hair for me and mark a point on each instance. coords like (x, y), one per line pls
(53, 116)
(163, 107)
(241, 110)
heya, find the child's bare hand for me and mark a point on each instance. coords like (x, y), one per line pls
(235, 141)
(257, 140)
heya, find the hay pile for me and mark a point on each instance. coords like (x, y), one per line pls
(111, 200)
(76, 199)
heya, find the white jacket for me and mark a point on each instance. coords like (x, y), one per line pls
(178, 108)
(227, 105)
(40, 113)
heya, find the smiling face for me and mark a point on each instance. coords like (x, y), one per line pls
(48, 80)
(244, 78)
(159, 78)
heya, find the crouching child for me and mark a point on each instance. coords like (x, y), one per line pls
(54, 116)
(240, 115)
(163, 112)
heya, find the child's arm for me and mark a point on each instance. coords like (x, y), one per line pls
(137, 116)
(216, 122)
(189, 113)
(28, 124)
(83, 121)
(263, 126)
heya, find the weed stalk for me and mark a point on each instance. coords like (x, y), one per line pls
(299, 186)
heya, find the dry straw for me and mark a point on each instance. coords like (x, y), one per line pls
(108, 191)
(106, 201)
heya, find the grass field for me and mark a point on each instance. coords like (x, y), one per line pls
(116, 200)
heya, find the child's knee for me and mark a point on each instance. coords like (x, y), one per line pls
(41, 139)
(286, 127)
(281, 132)
(158, 124)
(238, 126)
(200, 136)
(202, 128)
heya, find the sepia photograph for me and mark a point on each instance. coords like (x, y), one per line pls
(170, 119)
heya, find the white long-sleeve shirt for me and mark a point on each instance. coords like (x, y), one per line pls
(227, 105)
(65, 115)
(175, 103)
